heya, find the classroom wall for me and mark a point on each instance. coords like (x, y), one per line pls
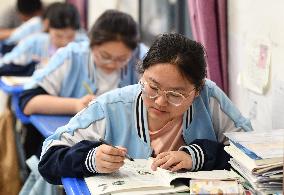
(252, 25)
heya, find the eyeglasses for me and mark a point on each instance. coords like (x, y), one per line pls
(152, 91)
(108, 60)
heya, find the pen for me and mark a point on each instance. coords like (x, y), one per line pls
(105, 142)
(88, 88)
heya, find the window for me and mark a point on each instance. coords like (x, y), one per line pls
(162, 16)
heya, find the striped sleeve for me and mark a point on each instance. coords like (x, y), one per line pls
(207, 155)
(64, 161)
(90, 161)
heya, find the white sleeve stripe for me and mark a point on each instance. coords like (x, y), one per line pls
(91, 159)
(201, 154)
(86, 161)
(197, 157)
(192, 154)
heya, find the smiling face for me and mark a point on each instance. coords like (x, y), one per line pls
(166, 77)
(111, 56)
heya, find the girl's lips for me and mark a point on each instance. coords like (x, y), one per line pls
(158, 111)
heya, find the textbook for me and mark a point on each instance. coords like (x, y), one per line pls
(137, 177)
(258, 158)
(249, 159)
(256, 148)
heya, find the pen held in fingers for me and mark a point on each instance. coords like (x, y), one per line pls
(105, 142)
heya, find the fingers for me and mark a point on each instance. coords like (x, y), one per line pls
(109, 167)
(109, 159)
(173, 161)
(91, 97)
(159, 160)
(110, 153)
(177, 167)
(88, 98)
(165, 161)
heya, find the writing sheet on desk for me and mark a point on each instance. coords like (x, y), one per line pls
(13, 80)
(137, 176)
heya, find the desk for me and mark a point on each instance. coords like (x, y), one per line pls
(14, 91)
(47, 124)
(11, 90)
(75, 186)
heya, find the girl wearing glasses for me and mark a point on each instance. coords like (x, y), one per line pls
(81, 71)
(174, 114)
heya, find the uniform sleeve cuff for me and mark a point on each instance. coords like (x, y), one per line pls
(90, 161)
(197, 156)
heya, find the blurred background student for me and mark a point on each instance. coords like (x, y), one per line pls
(81, 71)
(33, 52)
(12, 17)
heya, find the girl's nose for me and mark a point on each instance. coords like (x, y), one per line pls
(161, 100)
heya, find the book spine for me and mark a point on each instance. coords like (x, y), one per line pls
(248, 152)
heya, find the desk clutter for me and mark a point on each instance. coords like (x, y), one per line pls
(258, 159)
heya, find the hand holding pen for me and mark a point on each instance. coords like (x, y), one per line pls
(109, 158)
(85, 100)
(105, 142)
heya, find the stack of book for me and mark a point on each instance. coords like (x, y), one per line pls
(258, 158)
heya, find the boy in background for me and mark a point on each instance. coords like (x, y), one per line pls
(14, 16)
(34, 51)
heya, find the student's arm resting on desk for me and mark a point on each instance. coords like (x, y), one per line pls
(65, 161)
(201, 154)
(21, 54)
(38, 101)
(70, 152)
(207, 155)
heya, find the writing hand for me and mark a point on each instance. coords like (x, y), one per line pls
(109, 159)
(84, 101)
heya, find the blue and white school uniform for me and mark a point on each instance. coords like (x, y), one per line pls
(73, 65)
(33, 25)
(33, 49)
(120, 117)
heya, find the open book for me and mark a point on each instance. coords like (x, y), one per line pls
(137, 177)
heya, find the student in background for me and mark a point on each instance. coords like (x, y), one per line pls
(34, 51)
(174, 114)
(14, 16)
(106, 62)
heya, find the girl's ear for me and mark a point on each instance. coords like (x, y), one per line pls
(200, 88)
(196, 94)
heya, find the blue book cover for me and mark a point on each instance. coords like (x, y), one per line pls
(249, 153)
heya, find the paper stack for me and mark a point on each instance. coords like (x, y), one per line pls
(258, 158)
